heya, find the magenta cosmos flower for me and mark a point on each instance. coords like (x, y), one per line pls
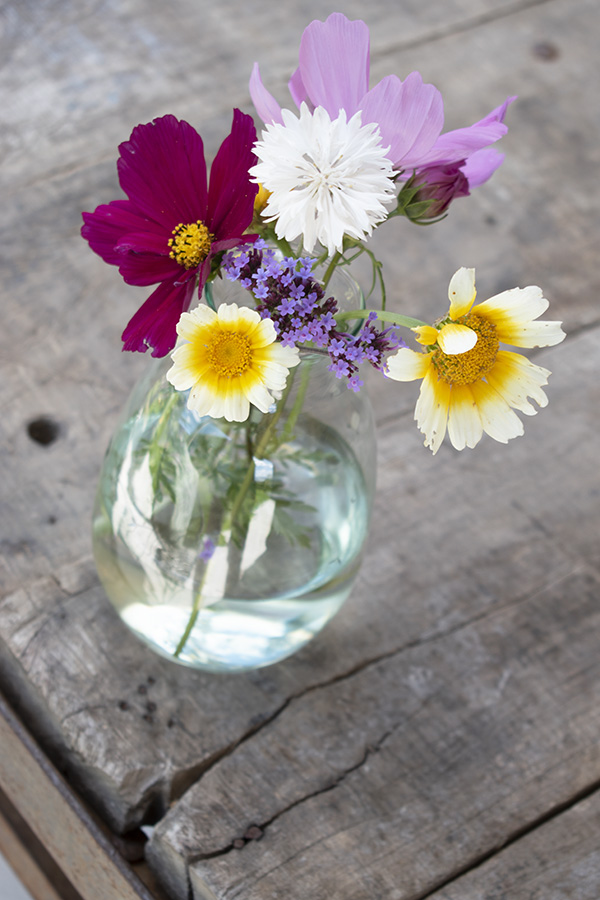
(173, 223)
(334, 73)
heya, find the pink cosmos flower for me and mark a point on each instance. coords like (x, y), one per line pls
(172, 224)
(334, 73)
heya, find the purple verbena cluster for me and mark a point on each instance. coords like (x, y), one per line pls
(370, 345)
(295, 301)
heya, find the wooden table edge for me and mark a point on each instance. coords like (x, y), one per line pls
(55, 830)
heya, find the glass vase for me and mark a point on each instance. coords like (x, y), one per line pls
(227, 546)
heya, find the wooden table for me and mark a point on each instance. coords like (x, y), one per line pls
(440, 739)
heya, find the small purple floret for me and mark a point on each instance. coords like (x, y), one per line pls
(289, 295)
(208, 549)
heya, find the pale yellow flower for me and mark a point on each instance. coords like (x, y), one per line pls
(470, 385)
(229, 360)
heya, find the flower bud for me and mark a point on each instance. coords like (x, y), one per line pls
(439, 185)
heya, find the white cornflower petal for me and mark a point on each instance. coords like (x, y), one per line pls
(326, 178)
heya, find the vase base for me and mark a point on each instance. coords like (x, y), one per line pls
(235, 637)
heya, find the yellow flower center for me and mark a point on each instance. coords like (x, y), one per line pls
(229, 353)
(261, 199)
(466, 368)
(190, 244)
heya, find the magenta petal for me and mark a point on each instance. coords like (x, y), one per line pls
(163, 172)
(231, 193)
(108, 224)
(265, 104)
(148, 268)
(144, 242)
(154, 324)
(481, 165)
(410, 116)
(334, 63)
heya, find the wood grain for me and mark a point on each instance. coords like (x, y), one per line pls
(479, 553)
(557, 860)
(59, 821)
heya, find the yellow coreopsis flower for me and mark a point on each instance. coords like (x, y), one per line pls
(470, 385)
(230, 359)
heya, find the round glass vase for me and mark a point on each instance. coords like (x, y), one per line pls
(227, 546)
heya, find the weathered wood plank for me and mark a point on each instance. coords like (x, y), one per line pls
(452, 535)
(135, 730)
(385, 783)
(31, 877)
(59, 821)
(559, 859)
(73, 72)
(64, 314)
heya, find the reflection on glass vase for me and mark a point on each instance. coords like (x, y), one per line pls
(227, 546)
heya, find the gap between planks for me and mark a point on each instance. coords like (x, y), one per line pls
(514, 838)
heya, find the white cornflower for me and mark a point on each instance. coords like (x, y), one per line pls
(326, 178)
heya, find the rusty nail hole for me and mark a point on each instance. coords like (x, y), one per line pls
(142, 689)
(150, 707)
(124, 705)
(546, 51)
(43, 430)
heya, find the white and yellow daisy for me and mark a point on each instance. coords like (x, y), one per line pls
(469, 384)
(229, 360)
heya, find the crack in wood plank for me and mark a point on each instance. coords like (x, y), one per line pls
(517, 835)
(369, 751)
(528, 828)
(438, 34)
(196, 773)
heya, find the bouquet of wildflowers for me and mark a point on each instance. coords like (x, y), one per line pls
(309, 191)
(279, 216)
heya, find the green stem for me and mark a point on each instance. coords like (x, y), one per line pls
(230, 517)
(156, 452)
(331, 268)
(383, 316)
(192, 619)
(288, 429)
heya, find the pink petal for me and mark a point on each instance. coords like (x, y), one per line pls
(298, 91)
(410, 116)
(461, 143)
(481, 165)
(231, 193)
(334, 63)
(154, 324)
(265, 104)
(497, 114)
